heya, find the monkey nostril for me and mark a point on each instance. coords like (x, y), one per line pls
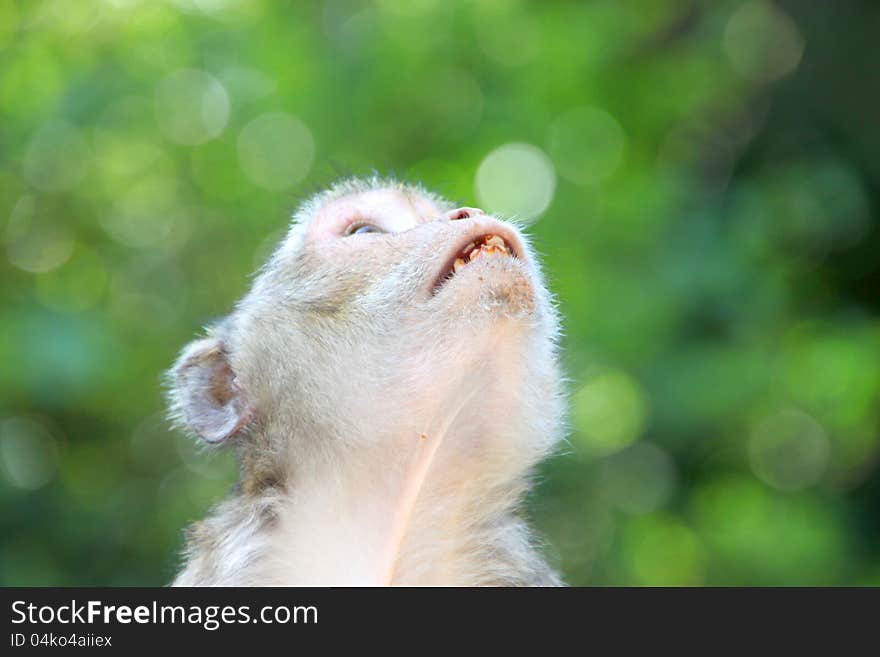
(464, 213)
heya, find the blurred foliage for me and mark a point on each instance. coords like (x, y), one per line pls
(704, 182)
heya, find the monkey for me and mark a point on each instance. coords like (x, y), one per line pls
(388, 384)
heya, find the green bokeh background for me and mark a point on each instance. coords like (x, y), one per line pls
(713, 175)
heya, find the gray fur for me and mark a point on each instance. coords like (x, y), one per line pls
(385, 432)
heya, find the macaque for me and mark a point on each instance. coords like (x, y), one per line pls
(388, 385)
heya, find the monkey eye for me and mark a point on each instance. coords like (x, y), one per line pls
(356, 229)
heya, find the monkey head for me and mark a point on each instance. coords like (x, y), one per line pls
(385, 312)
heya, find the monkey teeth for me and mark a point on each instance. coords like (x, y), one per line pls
(487, 245)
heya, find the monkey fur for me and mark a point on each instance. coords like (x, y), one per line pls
(388, 388)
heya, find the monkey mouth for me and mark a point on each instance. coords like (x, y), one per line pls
(488, 245)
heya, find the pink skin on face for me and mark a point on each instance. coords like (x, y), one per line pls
(390, 210)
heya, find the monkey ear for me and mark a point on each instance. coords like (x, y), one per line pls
(206, 396)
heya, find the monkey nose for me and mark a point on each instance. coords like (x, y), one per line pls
(463, 213)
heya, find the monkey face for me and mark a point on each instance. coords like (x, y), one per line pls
(402, 282)
(382, 287)
(387, 383)
(397, 257)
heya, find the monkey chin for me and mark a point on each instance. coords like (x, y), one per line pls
(491, 287)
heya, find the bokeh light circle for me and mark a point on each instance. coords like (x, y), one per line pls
(587, 144)
(660, 550)
(761, 42)
(34, 242)
(191, 107)
(609, 413)
(145, 215)
(638, 479)
(56, 158)
(276, 150)
(516, 180)
(789, 450)
(28, 453)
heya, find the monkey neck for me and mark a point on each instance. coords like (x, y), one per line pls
(428, 498)
(427, 502)
(425, 519)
